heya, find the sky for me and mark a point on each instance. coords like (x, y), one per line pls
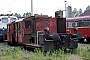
(45, 7)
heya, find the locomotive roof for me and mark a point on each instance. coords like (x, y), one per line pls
(78, 18)
(19, 20)
(41, 16)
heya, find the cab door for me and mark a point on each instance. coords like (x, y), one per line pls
(13, 33)
(8, 33)
(26, 31)
(18, 32)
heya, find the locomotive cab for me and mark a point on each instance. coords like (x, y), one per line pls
(23, 30)
(43, 32)
(56, 36)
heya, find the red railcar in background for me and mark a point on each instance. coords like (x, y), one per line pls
(81, 25)
(41, 31)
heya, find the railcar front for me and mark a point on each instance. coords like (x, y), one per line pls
(4, 20)
(81, 26)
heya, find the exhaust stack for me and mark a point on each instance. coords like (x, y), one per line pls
(31, 7)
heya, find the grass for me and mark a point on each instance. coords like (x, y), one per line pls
(84, 51)
(16, 53)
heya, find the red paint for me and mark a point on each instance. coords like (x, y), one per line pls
(84, 31)
(52, 25)
(10, 31)
(41, 23)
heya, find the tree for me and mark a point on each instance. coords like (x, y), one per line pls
(75, 12)
(88, 7)
(28, 14)
(24, 15)
(80, 11)
(17, 15)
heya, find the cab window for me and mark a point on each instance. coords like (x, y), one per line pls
(12, 19)
(4, 20)
(27, 24)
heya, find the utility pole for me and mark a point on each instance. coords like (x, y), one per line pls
(31, 7)
(65, 6)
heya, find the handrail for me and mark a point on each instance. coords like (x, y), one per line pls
(37, 35)
(49, 40)
(22, 33)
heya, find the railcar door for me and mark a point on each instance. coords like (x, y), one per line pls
(8, 33)
(26, 30)
(13, 33)
(18, 32)
(23, 30)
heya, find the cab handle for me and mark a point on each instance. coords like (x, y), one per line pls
(22, 33)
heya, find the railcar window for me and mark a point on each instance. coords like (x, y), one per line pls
(4, 20)
(70, 23)
(80, 23)
(89, 23)
(76, 23)
(27, 24)
(12, 19)
(85, 23)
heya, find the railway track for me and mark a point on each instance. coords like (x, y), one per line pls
(5, 45)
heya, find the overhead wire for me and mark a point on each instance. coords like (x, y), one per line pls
(3, 3)
(8, 5)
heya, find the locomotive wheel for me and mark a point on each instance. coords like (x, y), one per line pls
(88, 40)
(57, 41)
(79, 35)
(81, 40)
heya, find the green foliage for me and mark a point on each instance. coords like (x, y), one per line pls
(17, 15)
(16, 53)
(11, 53)
(84, 52)
(76, 12)
(80, 11)
(87, 8)
(28, 14)
(25, 15)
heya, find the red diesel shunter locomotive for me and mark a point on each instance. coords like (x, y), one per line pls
(41, 31)
(82, 27)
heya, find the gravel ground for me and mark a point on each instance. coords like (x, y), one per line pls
(76, 57)
(2, 46)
